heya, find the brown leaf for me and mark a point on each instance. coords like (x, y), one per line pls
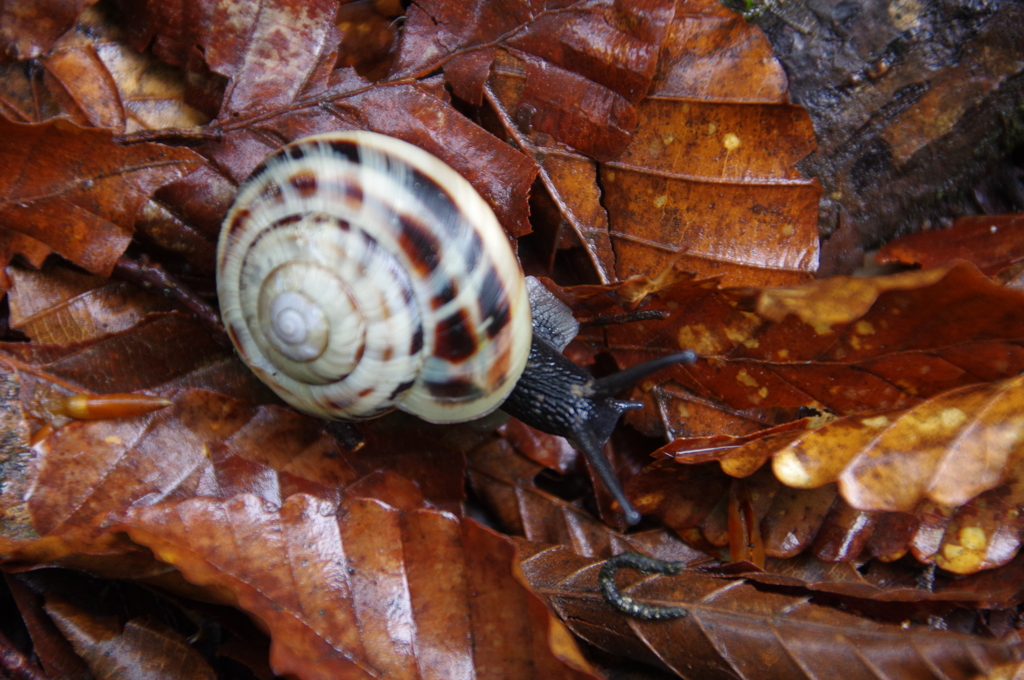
(418, 113)
(712, 54)
(62, 306)
(368, 591)
(504, 480)
(991, 242)
(163, 351)
(694, 500)
(613, 46)
(717, 185)
(935, 592)
(102, 82)
(735, 630)
(948, 449)
(549, 450)
(77, 192)
(840, 345)
(28, 28)
(55, 653)
(662, 200)
(111, 650)
(709, 180)
(552, 61)
(268, 52)
(90, 77)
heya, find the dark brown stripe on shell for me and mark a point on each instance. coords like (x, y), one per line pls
(338, 405)
(259, 169)
(304, 182)
(447, 294)
(353, 195)
(238, 221)
(472, 250)
(454, 339)
(404, 387)
(453, 389)
(284, 222)
(417, 341)
(493, 300)
(331, 220)
(349, 150)
(420, 246)
(437, 202)
(233, 334)
(498, 371)
(498, 320)
(272, 193)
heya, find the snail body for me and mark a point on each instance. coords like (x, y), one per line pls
(357, 274)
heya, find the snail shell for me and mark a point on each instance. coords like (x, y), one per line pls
(357, 273)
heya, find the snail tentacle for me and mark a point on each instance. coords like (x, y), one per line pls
(556, 396)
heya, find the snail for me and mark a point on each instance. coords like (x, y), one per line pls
(358, 274)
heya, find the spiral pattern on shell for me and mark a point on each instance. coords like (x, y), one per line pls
(358, 273)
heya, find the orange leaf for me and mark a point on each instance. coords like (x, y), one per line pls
(79, 193)
(991, 242)
(366, 592)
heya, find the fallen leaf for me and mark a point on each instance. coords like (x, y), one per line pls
(991, 242)
(27, 29)
(77, 192)
(368, 591)
(735, 630)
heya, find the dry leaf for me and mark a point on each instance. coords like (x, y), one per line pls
(734, 630)
(77, 192)
(368, 591)
(991, 242)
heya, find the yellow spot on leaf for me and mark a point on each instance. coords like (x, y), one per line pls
(876, 423)
(790, 471)
(788, 229)
(698, 338)
(650, 500)
(782, 354)
(763, 392)
(660, 201)
(735, 334)
(609, 175)
(668, 138)
(945, 421)
(683, 411)
(113, 440)
(745, 378)
(822, 328)
(959, 559)
(953, 417)
(864, 328)
(731, 142)
(712, 128)
(972, 538)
